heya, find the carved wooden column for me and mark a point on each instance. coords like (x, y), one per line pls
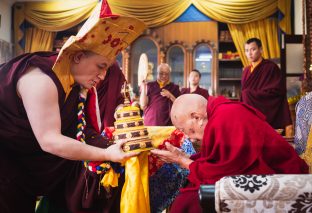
(162, 57)
(18, 19)
(189, 65)
(307, 41)
(215, 72)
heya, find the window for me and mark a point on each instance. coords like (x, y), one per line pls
(203, 63)
(119, 60)
(292, 57)
(175, 58)
(147, 46)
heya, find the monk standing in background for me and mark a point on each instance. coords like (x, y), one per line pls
(264, 86)
(231, 145)
(194, 79)
(157, 97)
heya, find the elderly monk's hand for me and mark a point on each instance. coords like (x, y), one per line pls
(173, 155)
(167, 94)
(115, 152)
(143, 85)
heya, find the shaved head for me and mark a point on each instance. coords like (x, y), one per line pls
(188, 113)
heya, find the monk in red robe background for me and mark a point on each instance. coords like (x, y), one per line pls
(236, 139)
(156, 98)
(264, 86)
(194, 80)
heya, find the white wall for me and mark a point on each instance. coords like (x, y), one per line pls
(6, 15)
(6, 22)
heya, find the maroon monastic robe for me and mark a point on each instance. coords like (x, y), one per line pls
(199, 91)
(157, 112)
(265, 90)
(26, 170)
(85, 192)
(109, 97)
(34, 172)
(237, 140)
(109, 94)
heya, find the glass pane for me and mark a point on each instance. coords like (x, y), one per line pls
(119, 60)
(203, 63)
(147, 46)
(294, 58)
(176, 61)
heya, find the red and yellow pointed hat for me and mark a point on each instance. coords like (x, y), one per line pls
(103, 33)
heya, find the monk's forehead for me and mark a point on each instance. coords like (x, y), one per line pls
(193, 73)
(179, 120)
(251, 44)
(180, 113)
(164, 69)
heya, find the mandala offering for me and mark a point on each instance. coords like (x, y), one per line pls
(129, 125)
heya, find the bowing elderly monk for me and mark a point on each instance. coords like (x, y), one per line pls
(231, 145)
(39, 97)
(156, 98)
(264, 86)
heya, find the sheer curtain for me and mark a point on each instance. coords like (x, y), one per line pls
(38, 40)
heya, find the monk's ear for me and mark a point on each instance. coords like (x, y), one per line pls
(261, 50)
(77, 57)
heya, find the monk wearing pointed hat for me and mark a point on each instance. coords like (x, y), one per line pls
(40, 100)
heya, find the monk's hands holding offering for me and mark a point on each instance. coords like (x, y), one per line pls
(173, 154)
(115, 152)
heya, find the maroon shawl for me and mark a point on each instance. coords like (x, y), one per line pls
(265, 89)
(109, 94)
(84, 191)
(109, 97)
(199, 91)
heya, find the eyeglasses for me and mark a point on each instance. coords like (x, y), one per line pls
(163, 73)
